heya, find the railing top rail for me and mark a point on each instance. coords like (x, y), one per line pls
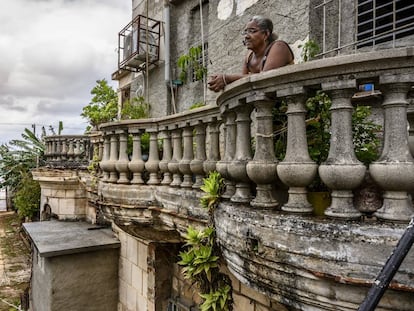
(178, 120)
(355, 66)
(61, 137)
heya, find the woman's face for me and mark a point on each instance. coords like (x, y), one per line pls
(254, 37)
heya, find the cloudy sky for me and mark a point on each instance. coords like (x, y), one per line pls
(51, 54)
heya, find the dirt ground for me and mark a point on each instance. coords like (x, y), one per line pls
(14, 262)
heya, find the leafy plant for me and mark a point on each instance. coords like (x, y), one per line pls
(192, 61)
(27, 197)
(213, 188)
(310, 50)
(17, 159)
(216, 300)
(103, 106)
(200, 259)
(197, 105)
(136, 108)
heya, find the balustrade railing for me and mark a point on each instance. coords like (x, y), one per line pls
(186, 146)
(68, 151)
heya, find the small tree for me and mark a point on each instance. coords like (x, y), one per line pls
(103, 106)
(17, 159)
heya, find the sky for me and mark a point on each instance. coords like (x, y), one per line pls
(52, 52)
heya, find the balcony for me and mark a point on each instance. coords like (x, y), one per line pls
(270, 237)
(138, 45)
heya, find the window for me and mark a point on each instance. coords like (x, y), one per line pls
(198, 69)
(381, 21)
(174, 305)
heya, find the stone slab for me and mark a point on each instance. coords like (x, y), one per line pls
(55, 238)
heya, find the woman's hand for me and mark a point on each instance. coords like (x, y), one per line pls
(217, 82)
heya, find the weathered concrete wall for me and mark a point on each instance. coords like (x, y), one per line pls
(86, 281)
(64, 192)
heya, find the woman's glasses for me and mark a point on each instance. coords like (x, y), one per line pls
(250, 31)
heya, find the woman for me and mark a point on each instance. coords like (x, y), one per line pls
(265, 53)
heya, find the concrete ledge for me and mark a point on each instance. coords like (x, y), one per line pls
(55, 238)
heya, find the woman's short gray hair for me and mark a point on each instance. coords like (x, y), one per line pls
(265, 24)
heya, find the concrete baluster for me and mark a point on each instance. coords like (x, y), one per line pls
(136, 165)
(237, 167)
(154, 159)
(176, 157)
(394, 170)
(121, 165)
(213, 156)
(105, 157)
(229, 151)
(341, 172)
(166, 157)
(113, 157)
(262, 169)
(188, 155)
(297, 170)
(196, 164)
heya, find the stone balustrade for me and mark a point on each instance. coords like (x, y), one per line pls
(268, 232)
(184, 147)
(68, 151)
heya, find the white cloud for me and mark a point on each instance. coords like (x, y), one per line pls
(52, 53)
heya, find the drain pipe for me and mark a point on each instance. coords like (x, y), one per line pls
(167, 42)
(167, 65)
(388, 271)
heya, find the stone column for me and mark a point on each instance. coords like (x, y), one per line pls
(113, 157)
(229, 151)
(214, 147)
(342, 172)
(71, 151)
(153, 160)
(105, 158)
(184, 164)
(262, 169)
(237, 167)
(136, 165)
(394, 170)
(176, 157)
(196, 164)
(121, 165)
(64, 150)
(297, 170)
(166, 157)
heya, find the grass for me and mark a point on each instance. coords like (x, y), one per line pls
(16, 256)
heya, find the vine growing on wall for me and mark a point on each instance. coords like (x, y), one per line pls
(192, 61)
(200, 259)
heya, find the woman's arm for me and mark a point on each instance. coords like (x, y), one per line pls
(219, 81)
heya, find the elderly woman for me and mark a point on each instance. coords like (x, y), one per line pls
(266, 52)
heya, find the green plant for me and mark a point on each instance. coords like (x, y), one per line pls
(136, 108)
(318, 124)
(192, 61)
(200, 259)
(103, 106)
(27, 197)
(309, 50)
(197, 105)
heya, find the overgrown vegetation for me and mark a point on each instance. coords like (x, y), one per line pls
(200, 259)
(18, 158)
(192, 61)
(103, 106)
(136, 108)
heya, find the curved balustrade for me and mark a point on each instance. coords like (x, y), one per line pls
(251, 178)
(264, 223)
(68, 151)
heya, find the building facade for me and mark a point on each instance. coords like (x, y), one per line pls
(278, 253)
